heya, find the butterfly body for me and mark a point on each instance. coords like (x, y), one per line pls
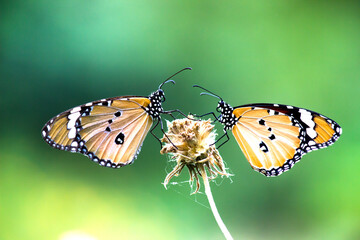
(273, 137)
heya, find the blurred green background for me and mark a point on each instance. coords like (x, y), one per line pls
(55, 55)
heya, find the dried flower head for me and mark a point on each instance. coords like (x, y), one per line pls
(190, 144)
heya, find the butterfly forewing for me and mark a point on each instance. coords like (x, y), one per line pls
(274, 137)
(110, 131)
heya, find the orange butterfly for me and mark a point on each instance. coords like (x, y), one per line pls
(109, 131)
(273, 137)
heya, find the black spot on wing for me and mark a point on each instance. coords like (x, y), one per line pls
(120, 138)
(262, 122)
(263, 147)
(85, 111)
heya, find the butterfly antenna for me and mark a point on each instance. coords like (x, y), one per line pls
(208, 92)
(168, 79)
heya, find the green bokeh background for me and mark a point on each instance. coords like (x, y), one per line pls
(55, 55)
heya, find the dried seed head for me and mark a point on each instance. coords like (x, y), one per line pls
(190, 144)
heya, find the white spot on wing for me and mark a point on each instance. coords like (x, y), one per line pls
(306, 117)
(43, 133)
(74, 144)
(74, 110)
(72, 117)
(311, 143)
(72, 133)
(71, 124)
(311, 132)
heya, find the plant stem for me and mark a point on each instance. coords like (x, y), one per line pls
(214, 210)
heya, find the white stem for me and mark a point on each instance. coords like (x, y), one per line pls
(214, 210)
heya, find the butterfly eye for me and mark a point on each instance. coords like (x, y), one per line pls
(160, 92)
(163, 99)
(218, 109)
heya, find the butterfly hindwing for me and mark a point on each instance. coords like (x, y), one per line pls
(274, 137)
(109, 131)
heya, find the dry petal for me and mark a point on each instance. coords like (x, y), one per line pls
(191, 145)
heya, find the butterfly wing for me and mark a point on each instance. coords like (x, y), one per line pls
(109, 131)
(274, 137)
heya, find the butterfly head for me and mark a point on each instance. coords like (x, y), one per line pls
(221, 106)
(224, 108)
(159, 95)
(227, 118)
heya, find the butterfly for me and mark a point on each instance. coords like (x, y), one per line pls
(273, 137)
(109, 131)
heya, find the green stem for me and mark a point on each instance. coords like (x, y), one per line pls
(214, 210)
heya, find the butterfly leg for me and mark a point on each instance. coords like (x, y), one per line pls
(151, 131)
(212, 113)
(172, 115)
(175, 110)
(162, 129)
(227, 136)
